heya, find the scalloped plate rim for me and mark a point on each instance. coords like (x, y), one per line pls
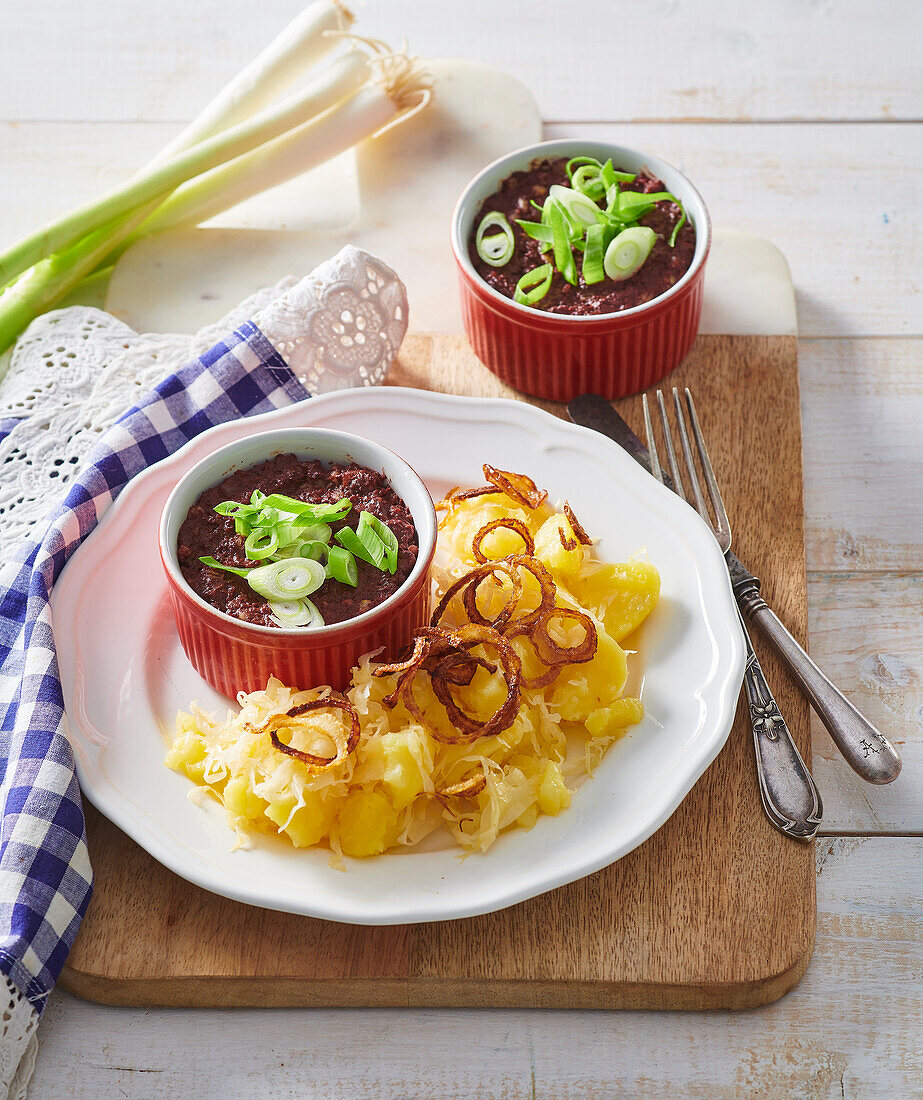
(420, 905)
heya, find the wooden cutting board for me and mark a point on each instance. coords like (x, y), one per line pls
(716, 910)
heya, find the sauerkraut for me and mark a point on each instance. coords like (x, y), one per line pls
(395, 787)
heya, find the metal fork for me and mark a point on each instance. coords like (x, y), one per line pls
(790, 798)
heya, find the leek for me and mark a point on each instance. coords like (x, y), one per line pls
(346, 75)
(225, 156)
(302, 44)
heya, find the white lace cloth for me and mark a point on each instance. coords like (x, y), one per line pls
(75, 371)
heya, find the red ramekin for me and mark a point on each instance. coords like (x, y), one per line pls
(557, 357)
(235, 656)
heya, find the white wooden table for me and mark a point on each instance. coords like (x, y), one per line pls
(801, 121)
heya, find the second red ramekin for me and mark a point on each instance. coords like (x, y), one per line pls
(555, 356)
(235, 656)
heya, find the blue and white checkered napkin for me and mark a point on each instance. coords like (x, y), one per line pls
(45, 876)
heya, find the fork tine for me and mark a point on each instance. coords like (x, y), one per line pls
(671, 454)
(723, 524)
(690, 461)
(651, 441)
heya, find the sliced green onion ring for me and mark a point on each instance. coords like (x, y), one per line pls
(287, 535)
(628, 251)
(290, 613)
(388, 539)
(311, 548)
(581, 162)
(261, 543)
(593, 270)
(213, 563)
(587, 179)
(341, 566)
(497, 249)
(534, 285)
(315, 532)
(232, 508)
(292, 579)
(581, 210)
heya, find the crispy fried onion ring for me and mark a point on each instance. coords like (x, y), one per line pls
(510, 524)
(457, 495)
(468, 788)
(553, 653)
(515, 564)
(322, 763)
(518, 487)
(579, 532)
(536, 683)
(444, 655)
(512, 567)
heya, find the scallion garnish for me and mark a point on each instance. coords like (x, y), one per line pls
(312, 513)
(368, 550)
(261, 543)
(610, 176)
(341, 566)
(369, 523)
(587, 179)
(628, 251)
(679, 225)
(213, 563)
(292, 579)
(293, 540)
(497, 249)
(593, 254)
(290, 613)
(581, 210)
(537, 230)
(372, 541)
(580, 162)
(563, 256)
(534, 285)
(574, 219)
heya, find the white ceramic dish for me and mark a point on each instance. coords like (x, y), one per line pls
(125, 675)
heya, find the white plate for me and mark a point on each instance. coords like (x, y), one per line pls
(125, 675)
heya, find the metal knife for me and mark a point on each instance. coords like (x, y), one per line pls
(866, 750)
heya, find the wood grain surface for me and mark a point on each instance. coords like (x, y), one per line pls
(91, 89)
(717, 910)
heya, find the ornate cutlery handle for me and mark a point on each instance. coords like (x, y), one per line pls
(868, 752)
(790, 798)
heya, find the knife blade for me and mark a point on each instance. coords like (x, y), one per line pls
(590, 410)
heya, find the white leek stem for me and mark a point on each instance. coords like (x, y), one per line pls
(290, 54)
(343, 77)
(274, 163)
(399, 91)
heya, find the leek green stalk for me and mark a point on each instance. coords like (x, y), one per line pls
(344, 76)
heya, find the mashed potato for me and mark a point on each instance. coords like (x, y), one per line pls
(402, 780)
